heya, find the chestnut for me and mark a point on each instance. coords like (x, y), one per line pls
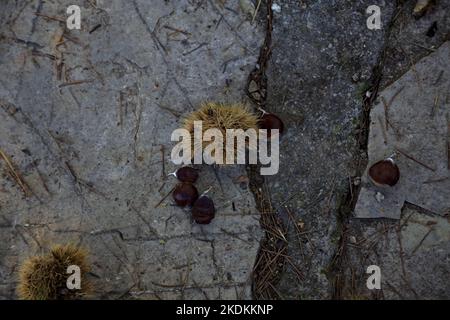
(185, 194)
(270, 121)
(384, 173)
(186, 174)
(203, 210)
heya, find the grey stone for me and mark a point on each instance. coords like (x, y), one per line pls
(409, 38)
(318, 46)
(418, 111)
(91, 152)
(148, 65)
(413, 254)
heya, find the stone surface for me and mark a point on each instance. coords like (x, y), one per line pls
(86, 118)
(319, 49)
(412, 252)
(413, 255)
(411, 120)
(412, 39)
(91, 152)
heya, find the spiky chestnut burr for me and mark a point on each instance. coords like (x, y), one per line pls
(45, 277)
(222, 117)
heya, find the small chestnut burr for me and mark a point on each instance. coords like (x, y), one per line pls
(384, 173)
(203, 210)
(185, 194)
(185, 174)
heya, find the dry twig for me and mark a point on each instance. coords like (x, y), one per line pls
(15, 174)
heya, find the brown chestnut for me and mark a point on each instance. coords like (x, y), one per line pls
(186, 174)
(270, 121)
(203, 210)
(185, 194)
(384, 173)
